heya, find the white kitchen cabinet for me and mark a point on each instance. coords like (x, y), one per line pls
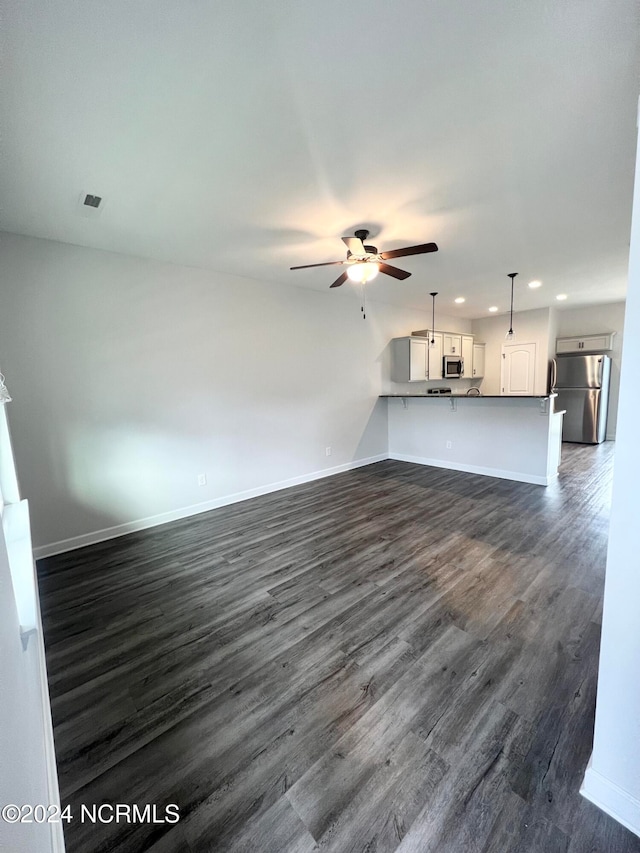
(451, 344)
(467, 355)
(434, 356)
(585, 343)
(478, 361)
(410, 362)
(415, 359)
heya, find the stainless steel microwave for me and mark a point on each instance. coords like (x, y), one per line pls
(452, 367)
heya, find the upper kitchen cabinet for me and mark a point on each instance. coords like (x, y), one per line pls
(452, 344)
(410, 359)
(416, 359)
(478, 361)
(467, 356)
(434, 356)
(585, 343)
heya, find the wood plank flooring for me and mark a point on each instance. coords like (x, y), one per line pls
(397, 658)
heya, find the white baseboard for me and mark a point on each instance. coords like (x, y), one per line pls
(195, 509)
(518, 476)
(612, 799)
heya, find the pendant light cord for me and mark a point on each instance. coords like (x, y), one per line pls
(512, 276)
(433, 317)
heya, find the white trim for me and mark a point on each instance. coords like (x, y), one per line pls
(612, 799)
(17, 535)
(518, 476)
(57, 833)
(184, 512)
(23, 579)
(8, 478)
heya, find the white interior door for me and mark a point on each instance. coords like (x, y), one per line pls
(518, 371)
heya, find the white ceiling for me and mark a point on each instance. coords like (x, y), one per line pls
(250, 136)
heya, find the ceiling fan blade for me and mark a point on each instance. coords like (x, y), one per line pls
(394, 271)
(355, 245)
(409, 250)
(307, 266)
(340, 281)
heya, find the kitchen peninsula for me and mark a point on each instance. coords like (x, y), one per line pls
(511, 437)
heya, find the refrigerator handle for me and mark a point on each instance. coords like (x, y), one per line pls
(553, 376)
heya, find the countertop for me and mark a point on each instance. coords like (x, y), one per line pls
(474, 396)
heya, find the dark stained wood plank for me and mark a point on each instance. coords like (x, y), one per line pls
(322, 792)
(462, 813)
(394, 658)
(379, 815)
(280, 825)
(519, 829)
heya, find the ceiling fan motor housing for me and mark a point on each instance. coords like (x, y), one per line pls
(370, 250)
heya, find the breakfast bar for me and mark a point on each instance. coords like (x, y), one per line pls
(511, 437)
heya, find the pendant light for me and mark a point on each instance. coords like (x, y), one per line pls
(511, 334)
(433, 295)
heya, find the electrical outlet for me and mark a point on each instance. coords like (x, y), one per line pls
(448, 445)
(327, 451)
(202, 479)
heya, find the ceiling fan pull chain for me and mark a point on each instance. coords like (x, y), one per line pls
(363, 307)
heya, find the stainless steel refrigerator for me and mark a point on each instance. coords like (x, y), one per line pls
(582, 385)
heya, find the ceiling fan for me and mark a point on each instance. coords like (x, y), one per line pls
(365, 262)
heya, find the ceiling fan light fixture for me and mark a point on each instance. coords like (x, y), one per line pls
(363, 272)
(364, 262)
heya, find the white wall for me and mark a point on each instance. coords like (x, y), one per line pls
(23, 778)
(131, 377)
(27, 764)
(529, 327)
(613, 778)
(554, 325)
(590, 319)
(509, 437)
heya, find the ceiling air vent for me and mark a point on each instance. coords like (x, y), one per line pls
(89, 204)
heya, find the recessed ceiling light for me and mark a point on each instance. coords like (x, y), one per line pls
(459, 300)
(493, 309)
(561, 297)
(534, 284)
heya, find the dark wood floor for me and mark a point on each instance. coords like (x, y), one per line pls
(395, 658)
